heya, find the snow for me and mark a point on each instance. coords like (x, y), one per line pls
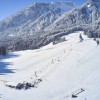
(65, 69)
(33, 18)
(89, 5)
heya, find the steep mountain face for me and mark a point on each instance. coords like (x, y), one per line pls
(42, 23)
(86, 15)
(35, 17)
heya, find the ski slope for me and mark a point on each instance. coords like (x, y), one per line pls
(65, 69)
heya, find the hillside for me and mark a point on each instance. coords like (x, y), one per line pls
(41, 23)
(36, 17)
(66, 68)
(86, 17)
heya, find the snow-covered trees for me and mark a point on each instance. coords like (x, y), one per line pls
(2, 50)
(81, 38)
(97, 42)
(59, 40)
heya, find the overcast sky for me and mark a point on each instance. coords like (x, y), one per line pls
(8, 7)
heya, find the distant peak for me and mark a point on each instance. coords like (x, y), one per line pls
(63, 3)
(53, 3)
(38, 4)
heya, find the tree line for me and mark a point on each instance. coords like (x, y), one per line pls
(3, 50)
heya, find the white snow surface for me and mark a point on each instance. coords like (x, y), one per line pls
(65, 68)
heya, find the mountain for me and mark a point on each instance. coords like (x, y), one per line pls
(33, 18)
(86, 16)
(42, 23)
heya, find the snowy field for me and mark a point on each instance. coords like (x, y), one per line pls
(67, 68)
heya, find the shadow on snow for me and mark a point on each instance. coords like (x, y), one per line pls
(4, 65)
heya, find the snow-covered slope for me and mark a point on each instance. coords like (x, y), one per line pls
(65, 68)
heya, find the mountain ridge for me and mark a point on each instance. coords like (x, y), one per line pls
(84, 15)
(51, 24)
(27, 16)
